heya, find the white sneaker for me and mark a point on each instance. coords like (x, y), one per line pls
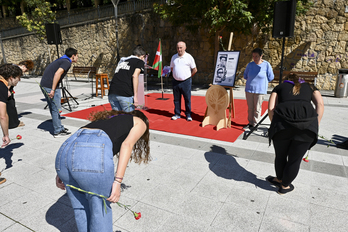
(189, 119)
(175, 117)
(63, 133)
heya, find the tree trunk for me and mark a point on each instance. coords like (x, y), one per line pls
(22, 6)
(68, 5)
(216, 48)
(96, 3)
(4, 11)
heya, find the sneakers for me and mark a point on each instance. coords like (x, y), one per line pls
(175, 117)
(189, 119)
(62, 133)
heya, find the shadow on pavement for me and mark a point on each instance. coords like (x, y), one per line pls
(6, 153)
(46, 126)
(226, 166)
(61, 215)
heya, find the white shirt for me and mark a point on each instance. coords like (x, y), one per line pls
(182, 66)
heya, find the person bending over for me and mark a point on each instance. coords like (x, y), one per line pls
(85, 160)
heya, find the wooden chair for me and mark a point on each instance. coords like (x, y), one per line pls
(104, 80)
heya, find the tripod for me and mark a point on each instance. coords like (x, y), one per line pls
(65, 96)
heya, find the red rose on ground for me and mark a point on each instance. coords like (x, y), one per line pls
(137, 215)
(305, 160)
(18, 137)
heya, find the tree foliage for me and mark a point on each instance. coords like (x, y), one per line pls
(40, 15)
(217, 15)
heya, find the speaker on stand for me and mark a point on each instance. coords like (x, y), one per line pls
(53, 34)
(283, 26)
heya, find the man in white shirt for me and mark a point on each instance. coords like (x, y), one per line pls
(183, 67)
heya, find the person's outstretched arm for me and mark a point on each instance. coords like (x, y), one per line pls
(272, 104)
(135, 85)
(4, 124)
(319, 104)
(134, 135)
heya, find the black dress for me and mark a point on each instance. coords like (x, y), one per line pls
(294, 114)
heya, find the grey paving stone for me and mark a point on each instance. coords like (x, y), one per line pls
(5, 222)
(323, 219)
(288, 209)
(232, 217)
(272, 224)
(151, 218)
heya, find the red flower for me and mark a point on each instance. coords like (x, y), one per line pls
(18, 137)
(137, 215)
(13, 92)
(305, 160)
(60, 111)
(220, 37)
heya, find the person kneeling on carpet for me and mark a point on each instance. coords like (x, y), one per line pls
(85, 161)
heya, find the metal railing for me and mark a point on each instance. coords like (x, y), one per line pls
(95, 14)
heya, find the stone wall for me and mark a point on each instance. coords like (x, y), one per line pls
(319, 44)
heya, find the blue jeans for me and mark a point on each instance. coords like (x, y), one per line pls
(54, 106)
(182, 88)
(121, 103)
(85, 160)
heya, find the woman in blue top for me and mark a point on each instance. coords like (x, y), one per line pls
(257, 73)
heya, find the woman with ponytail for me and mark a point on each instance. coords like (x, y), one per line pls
(294, 127)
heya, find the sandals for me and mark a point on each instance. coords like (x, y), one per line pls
(282, 191)
(21, 124)
(271, 180)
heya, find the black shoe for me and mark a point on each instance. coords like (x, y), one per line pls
(62, 133)
(65, 129)
(271, 180)
(282, 191)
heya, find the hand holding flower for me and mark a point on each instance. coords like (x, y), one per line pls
(115, 192)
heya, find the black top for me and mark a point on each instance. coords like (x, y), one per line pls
(122, 82)
(294, 112)
(3, 92)
(117, 128)
(47, 78)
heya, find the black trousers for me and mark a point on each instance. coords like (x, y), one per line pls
(289, 154)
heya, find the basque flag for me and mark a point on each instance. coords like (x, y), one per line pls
(157, 63)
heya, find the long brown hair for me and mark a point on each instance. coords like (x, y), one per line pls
(296, 79)
(141, 149)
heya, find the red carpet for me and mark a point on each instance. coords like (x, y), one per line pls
(160, 112)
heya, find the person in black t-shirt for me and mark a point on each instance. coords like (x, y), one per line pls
(294, 127)
(85, 161)
(25, 65)
(52, 77)
(9, 76)
(123, 92)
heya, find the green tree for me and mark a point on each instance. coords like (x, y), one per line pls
(219, 15)
(39, 16)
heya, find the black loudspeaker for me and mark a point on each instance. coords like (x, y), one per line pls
(284, 19)
(53, 33)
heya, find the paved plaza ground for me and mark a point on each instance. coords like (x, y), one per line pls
(191, 184)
